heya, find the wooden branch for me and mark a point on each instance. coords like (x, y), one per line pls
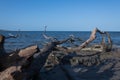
(84, 44)
(11, 36)
(48, 37)
(109, 38)
(103, 39)
(91, 38)
(109, 44)
(101, 32)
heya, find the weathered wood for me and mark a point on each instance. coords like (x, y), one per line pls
(84, 44)
(91, 38)
(26, 63)
(27, 52)
(40, 59)
(2, 41)
(48, 37)
(12, 64)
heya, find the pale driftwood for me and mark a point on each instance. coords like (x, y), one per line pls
(48, 37)
(91, 38)
(27, 52)
(84, 44)
(11, 72)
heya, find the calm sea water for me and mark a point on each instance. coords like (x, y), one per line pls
(27, 38)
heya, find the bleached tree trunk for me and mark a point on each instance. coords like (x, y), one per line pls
(91, 38)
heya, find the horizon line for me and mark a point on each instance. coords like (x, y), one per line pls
(60, 30)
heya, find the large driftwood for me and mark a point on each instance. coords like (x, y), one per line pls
(19, 65)
(12, 64)
(40, 59)
(91, 38)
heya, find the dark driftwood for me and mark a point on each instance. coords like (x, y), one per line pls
(21, 65)
(11, 65)
(2, 41)
(40, 59)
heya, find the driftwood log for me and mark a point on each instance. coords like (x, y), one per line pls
(92, 37)
(26, 64)
(21, 65)
(106, 47)
(40, 59)
(11, 64)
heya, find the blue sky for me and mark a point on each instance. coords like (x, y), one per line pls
(60, 15)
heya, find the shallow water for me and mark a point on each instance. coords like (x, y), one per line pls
(27, 38)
